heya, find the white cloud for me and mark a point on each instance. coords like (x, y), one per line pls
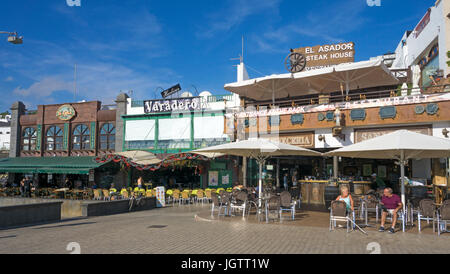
(330, 24)
(9, 79)
(43, 88)
(235, 14)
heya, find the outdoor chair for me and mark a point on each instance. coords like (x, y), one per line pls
(273, 206)
(402, 216)
(201, 197)
(225, 200)
(124, 194)
(338, 213)
(370, 205)
(106, 195)
(185, 197)
(296, 195)
(176, 197)
(252, 200)
(286, 204)
(443, 216)
(208, 194)
(240, 202)
(97, 194)
(426, 212)
(215, 204)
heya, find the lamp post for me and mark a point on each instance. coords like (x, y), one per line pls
(13, 37)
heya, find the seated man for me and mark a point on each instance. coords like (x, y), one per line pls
(391, 204)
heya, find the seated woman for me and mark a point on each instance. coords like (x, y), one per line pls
(347, 198)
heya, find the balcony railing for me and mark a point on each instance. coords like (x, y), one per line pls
(351, 97)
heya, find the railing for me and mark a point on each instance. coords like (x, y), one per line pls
(357, 96)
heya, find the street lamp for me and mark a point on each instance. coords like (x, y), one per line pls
(13, 37)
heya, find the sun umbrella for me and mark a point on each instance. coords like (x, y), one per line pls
(352, 76)
(260, 150)
(400, 145)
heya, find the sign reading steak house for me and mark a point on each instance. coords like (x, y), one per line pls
(302, 139)
(328, 55)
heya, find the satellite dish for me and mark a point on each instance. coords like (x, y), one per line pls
(186, 94)
(205, 94)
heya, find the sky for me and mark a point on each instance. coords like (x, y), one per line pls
(149, 45)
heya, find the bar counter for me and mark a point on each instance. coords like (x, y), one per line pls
(318, 194)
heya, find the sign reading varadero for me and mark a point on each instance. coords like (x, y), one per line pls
(328, 55)
(181, 104)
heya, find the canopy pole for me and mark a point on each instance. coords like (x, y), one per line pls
(402, 171)
(260, 184)
(278, 173)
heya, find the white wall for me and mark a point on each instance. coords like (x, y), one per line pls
(5, 137)
(415, 48)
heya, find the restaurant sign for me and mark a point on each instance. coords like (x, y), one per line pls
(301, 139)
(65, 112)
(173, 105)
(370, 103)
(328, 55)
(367, 134)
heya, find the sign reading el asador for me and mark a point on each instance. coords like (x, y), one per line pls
(328, 55)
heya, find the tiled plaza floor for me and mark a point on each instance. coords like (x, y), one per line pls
(189, 229)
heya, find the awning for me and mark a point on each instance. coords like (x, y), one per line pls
(55, 165)
(359, 75)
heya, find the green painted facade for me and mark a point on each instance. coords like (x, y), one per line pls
(162, 116)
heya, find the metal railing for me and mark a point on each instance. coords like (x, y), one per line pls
(351, 97)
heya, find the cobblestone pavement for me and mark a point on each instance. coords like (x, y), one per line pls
(177, 230)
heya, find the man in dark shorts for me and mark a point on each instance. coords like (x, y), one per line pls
(391, 204)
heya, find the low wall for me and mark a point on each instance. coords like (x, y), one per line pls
(20, 212)
(114, 207)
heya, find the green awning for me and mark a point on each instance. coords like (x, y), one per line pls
(56, 165)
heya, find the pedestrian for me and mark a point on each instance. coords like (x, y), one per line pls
(294, 178)
(285, 181)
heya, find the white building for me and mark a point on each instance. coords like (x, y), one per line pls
(428, 44)
(5, 132)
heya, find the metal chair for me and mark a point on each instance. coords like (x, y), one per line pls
(273, 206)
(338, 213)
(239, 202)
(443, 216)
(225, 201)
(286, 204)
(426, 212)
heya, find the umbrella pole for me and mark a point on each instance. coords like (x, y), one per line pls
(402, 171)
(260, 184)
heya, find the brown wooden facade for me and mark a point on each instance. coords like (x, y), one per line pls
(44, 134)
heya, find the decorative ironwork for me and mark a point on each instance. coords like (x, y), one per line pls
(432, 109)
(330, 116)
(419, 109)
(388, 112)
(297, 119)
(358, 114)
(321, 117)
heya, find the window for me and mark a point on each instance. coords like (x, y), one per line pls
(29, 138)
(107, 137)
(54, 138)
(81, 138)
